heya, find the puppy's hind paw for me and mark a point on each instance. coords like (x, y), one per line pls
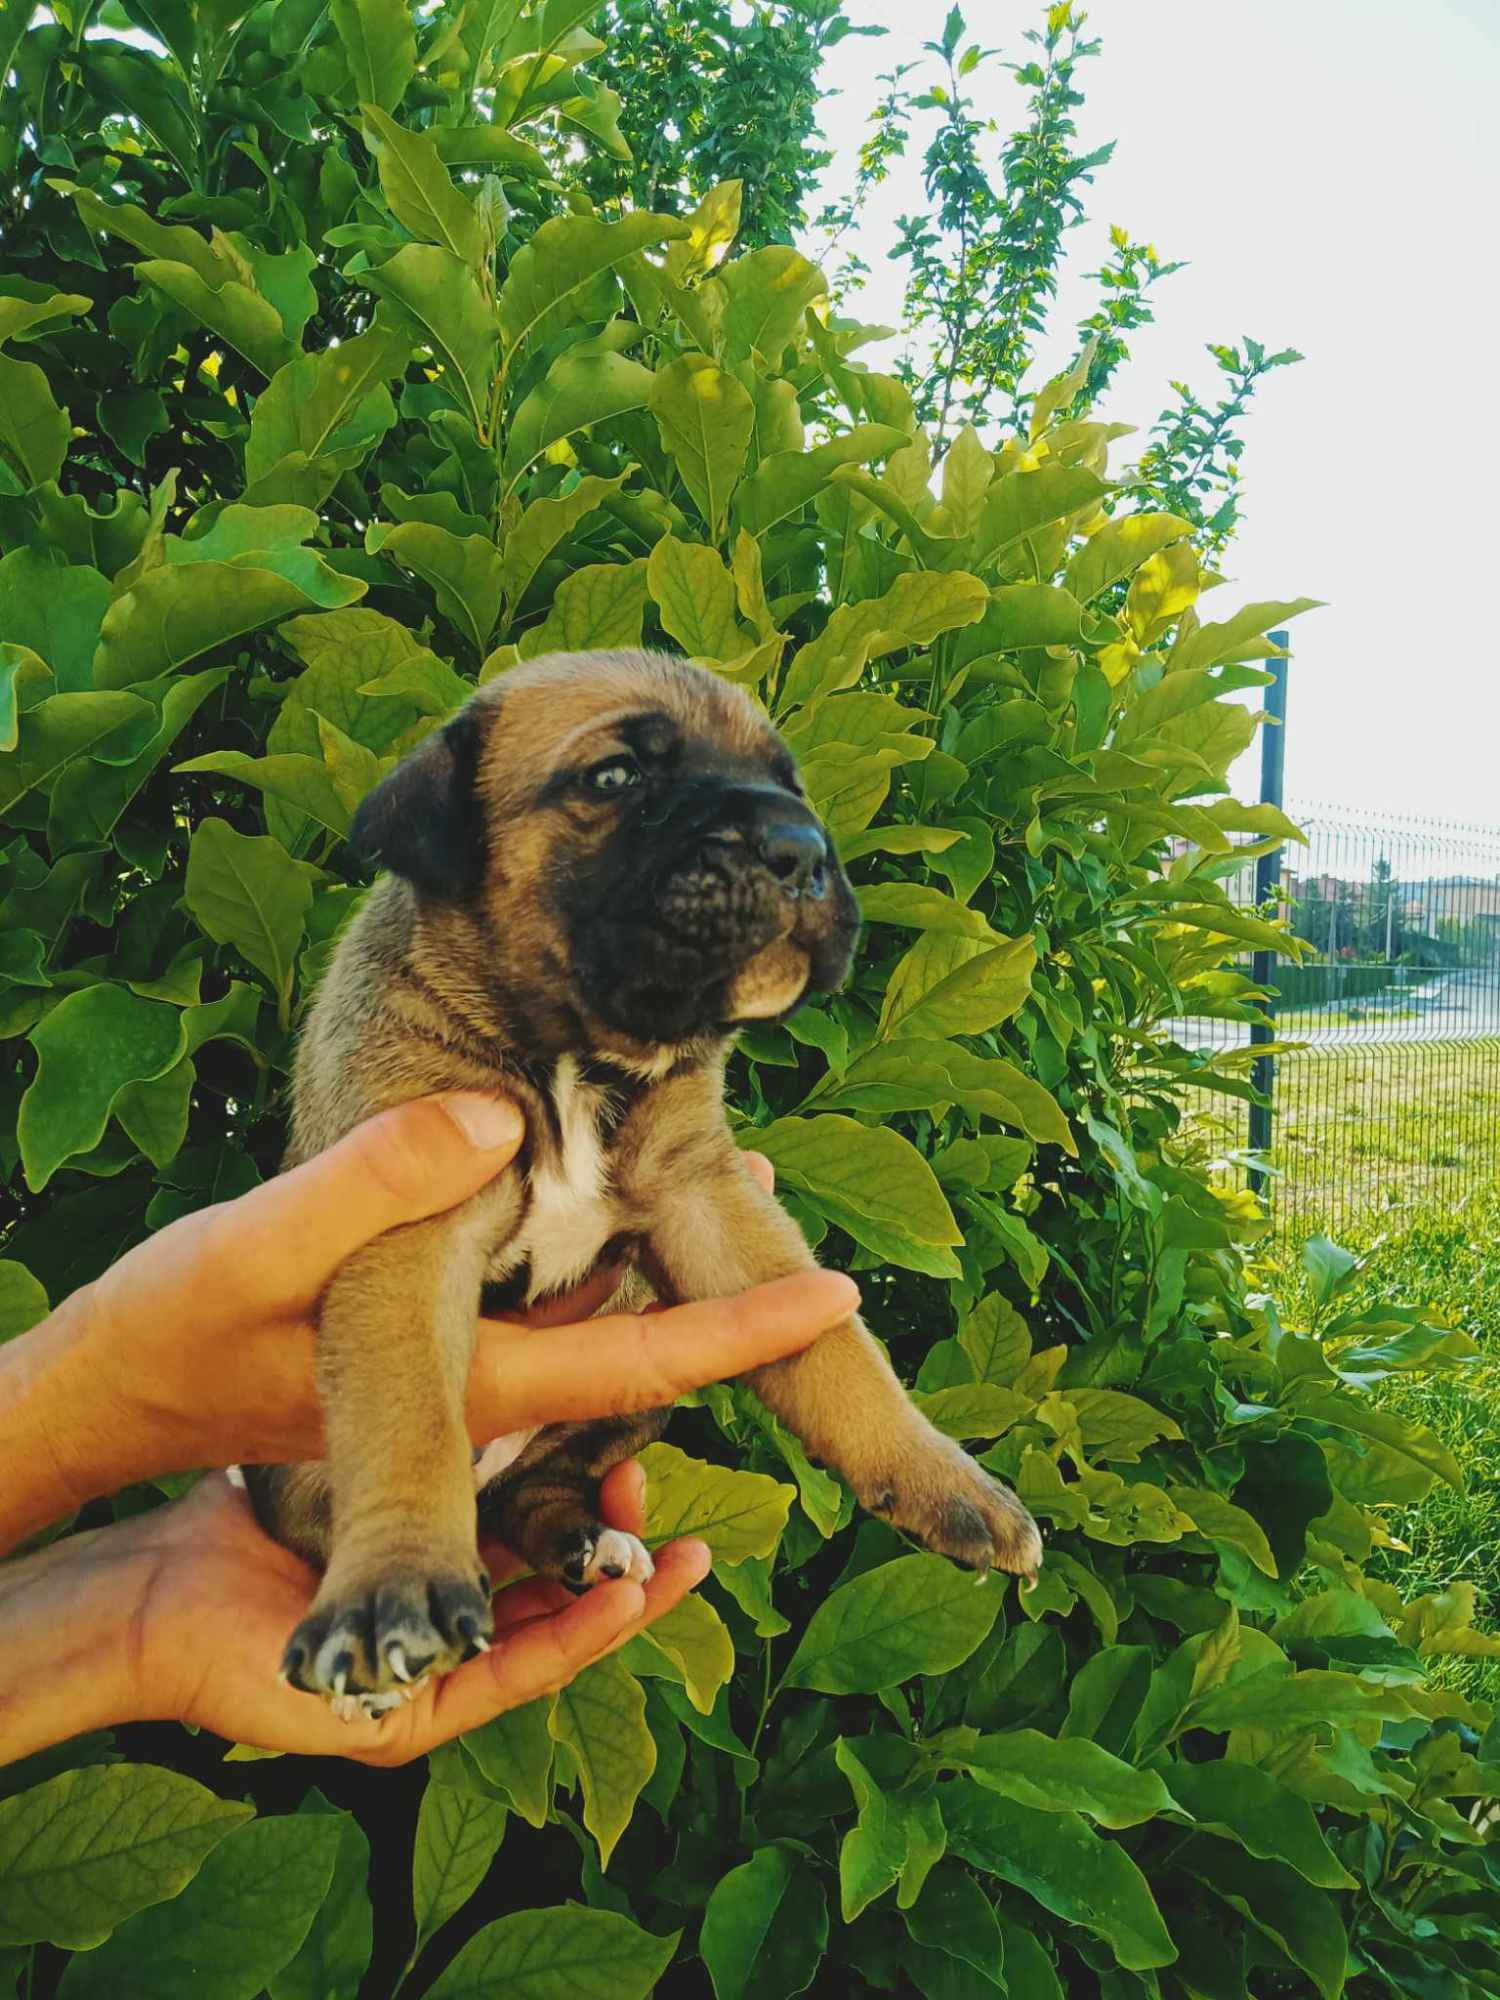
(609, 1553)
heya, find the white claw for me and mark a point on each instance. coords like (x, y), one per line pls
(483, 1645)
(340, 1682)
(395, 1655)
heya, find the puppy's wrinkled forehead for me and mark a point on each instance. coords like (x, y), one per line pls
(573, 706)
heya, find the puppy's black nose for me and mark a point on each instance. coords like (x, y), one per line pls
(794, 851)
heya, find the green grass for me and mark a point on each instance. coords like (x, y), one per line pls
(1445, 1256)
(1367, 1137)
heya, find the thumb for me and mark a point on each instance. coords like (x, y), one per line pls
(399, 1166)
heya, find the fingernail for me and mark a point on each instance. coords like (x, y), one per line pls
(698, 1555)
(488, 1123)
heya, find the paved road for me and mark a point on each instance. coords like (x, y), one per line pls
(1447, 1007)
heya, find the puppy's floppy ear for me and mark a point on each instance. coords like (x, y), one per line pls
(424, 821)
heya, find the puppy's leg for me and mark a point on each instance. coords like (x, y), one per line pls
(404, 1594)
(717, 1231)
(546, 1507)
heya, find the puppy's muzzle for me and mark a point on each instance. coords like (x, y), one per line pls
(794, 851)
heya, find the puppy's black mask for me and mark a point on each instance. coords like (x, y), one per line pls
(718, 898)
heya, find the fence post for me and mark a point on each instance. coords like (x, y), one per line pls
(1267, 875)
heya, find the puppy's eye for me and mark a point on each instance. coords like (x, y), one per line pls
(617, 775)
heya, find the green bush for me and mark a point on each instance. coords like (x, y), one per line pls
(324, 394)
(1318, 985)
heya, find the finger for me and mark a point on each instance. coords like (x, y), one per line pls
(633, 1361)
(622, 1497)
(761, 1170)
(293, 1232)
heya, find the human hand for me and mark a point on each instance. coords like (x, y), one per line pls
(181, 1615)
(197, 1347)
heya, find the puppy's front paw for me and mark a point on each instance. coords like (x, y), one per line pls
(367, 1643)
(932, 1488)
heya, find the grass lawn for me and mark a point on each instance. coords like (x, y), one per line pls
(1400, 1148)
(1444, 1255)
(1363, 1137)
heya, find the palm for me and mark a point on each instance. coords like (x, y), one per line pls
(223, 1597)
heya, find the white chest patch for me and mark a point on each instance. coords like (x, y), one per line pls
(572, 1213)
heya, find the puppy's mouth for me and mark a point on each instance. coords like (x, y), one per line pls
(737, 923)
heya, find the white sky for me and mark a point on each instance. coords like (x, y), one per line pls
(1330, 170)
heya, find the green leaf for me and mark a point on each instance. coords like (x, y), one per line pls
(464, 571)
(765, 1928)
(89, 797)
(334, 1955)
(913, 612)
(1022, 502)
(34, 431)
(953, 1915)
(706, 418)
(968, 470)
(242, 1918)
(601, 1718)
(578, 390)
(566, 1953)
(1328, 1266)
(300, 781)
(458, 1836)
(1063, 1775)
(1057, 1859)
(543, 526)
(696, 1640)
(238, 314)
(23, 1299)
(873, 1183)
(89, 1047)
(176, 612)
(694, 593)
(785, 481)
(1301, 1920)
(738, 1514)
(61, 625)
(915, 906)
(320, 414)
(381, 44)
(247, 891)
(766, 294)
(1029, 1972)
(154, 1115)
(515, 1751)
(1358, 1416)
(1224, 1524)
(66, 727)
(917, 1615)
(1244, 1803)
(420, 189)
(83, 1852)
(1105, 1696)
(1118, 550)
(1116, 1427)
(908, 1074)
(974, 1409)
(602, 604)
(565, 272)
(898, 1835)
(443, 299)
(1242, 637)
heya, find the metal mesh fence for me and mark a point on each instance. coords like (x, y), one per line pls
(1390, 1097)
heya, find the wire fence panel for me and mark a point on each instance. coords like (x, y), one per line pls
(1391, 1095)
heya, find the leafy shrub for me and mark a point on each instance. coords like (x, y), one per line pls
(325, 393)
